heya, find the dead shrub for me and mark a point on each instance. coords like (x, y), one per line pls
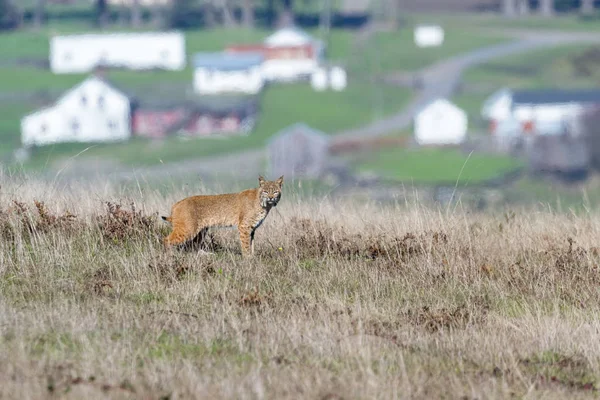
(119, 224)
(554, 369)
(443, 318)
(254, 298)
(317, 239)
(21, 220)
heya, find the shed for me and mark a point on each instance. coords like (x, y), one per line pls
(440, 123)
(429, 35)
(228, 72)
(298, 151)
(136, 51)
(93, 111)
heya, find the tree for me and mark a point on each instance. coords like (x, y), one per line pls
(508, 8)
(39, 14)
(587, 7)
(547, 8)
(523, 7)
(101, 13)
(286, 17)
(136, 14)
(10, 16)
(248, 13)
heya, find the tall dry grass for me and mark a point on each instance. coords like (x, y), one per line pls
(342, 300)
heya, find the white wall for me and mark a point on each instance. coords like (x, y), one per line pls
(429, 36)
(498, 106)
(441, 123)
(211, 81)
(90, 112)
(288, 70)
(138, 51)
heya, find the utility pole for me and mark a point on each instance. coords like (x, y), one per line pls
(376, 64)
(326, 25)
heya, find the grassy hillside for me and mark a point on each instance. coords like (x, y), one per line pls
(435, 166)
(352, 301)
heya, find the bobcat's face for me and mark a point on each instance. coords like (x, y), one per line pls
(270, 192)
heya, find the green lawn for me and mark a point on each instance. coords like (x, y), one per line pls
(436, 166)
(398, 52)
(281, 106)
(567, 22)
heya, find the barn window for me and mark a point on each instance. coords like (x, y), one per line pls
(112, 125)
(44, 128)
(75, 126)
(101, 102)
(83, 100)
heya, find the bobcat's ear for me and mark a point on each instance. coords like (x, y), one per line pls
(261, 180)
(280, 181)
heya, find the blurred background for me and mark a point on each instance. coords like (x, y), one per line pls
(486, 102)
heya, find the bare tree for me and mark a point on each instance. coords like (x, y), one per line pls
(286, 17)
(248, 13)
(136, 14)
(547, 8)
(523, 7)
(587, 7)
(40, 11)
(508, 8)
(101, 13)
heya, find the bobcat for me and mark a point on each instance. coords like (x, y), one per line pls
(246, 210)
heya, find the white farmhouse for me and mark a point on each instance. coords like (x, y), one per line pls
(93, 111)
(228, 72)
(136, 51)
(429, 35)
(289, 54)
(441, 123)
(544, 112)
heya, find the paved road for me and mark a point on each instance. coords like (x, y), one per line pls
(439, 81)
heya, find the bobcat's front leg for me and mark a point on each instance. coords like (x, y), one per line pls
(245, 239)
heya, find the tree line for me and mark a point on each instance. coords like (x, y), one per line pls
(176, 13)
(546, 8)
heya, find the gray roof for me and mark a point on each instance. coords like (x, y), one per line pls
(550, 96)
(227, 61)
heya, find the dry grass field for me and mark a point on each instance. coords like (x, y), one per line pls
(342, 301)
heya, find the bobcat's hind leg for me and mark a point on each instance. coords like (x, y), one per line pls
(181, 234)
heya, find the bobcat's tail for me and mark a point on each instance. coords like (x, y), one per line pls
(168, 219)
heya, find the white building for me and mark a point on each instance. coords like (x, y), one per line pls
(324, 78)
(92, 111)
(289, 54)
(441, 123)
(136, 51)
(544, 112)
(429, 35)
(228, 72)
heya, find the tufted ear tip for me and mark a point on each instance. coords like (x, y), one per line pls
(280, 181)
